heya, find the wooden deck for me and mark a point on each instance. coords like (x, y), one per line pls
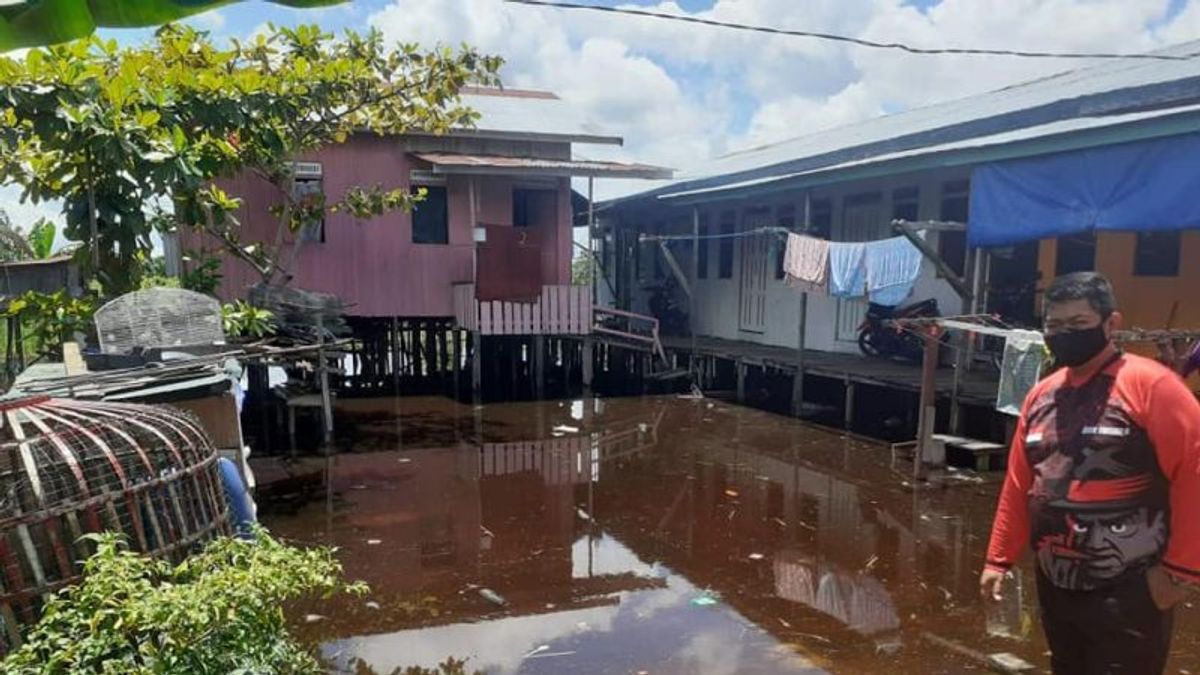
(976, 388)
(560, 310)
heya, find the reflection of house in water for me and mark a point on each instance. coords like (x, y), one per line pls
(860, 602)
(441, 521)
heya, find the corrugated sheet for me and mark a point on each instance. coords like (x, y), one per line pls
(458, 163)
(1001, 139)
(538, 115)
(1108, 88)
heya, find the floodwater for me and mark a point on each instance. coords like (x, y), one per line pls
(654, 535)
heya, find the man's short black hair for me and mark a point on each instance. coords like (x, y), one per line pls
(1091, 286)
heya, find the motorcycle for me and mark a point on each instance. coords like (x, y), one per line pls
(879, 336)
(669, 307)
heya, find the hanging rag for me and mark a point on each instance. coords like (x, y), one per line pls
(806, 263)
(893, 266)
(1024, 354)
(847, 269)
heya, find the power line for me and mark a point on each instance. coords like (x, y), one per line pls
(852, 40)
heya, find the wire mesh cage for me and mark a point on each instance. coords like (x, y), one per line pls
(69, 468)
(159, 317)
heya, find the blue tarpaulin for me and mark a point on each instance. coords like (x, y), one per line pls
(1143, 186)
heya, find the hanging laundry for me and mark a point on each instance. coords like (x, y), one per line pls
(1024, 355)
(893, 266)
(806, 263)
(847, 269)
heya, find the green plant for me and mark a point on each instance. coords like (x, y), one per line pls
(202, 273)
(49, 319)
(242, 319)
(220, 611)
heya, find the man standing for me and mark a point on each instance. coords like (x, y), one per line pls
(1104, 484)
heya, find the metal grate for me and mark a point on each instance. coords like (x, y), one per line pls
(68, 468)
(159, 317)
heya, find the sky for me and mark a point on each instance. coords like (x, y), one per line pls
(680, 94)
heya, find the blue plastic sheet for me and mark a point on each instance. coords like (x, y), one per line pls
(1143, 186)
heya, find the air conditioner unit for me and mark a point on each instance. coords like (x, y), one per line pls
(306, 169)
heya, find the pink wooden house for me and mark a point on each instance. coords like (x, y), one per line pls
(509, 177)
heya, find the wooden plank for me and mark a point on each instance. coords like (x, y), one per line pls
(485, 319)
(553, 311)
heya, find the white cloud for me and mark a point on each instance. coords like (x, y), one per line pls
(213, 21)
(681, 93)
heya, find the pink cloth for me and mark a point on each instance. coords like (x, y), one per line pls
(806, 263)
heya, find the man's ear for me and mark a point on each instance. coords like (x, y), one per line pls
(1115, 321)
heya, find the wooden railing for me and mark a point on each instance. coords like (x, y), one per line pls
(630, 326)
(560, 310)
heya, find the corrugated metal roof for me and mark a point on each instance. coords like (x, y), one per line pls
(1053, 129)
(531, 115)
(449, 163)
(1105, 89)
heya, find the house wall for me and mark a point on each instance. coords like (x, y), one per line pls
(1145, 302)
(374, 264)
(717, 300)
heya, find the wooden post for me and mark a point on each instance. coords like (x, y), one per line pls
(928, 409)
(396, 355)
(802, 326)
(695, 288)
(476, 367)
(539, 367)
(741, 381)
(848, 412)
(326, 399)
(586, 365)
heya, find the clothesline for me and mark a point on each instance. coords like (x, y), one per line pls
(727, 235)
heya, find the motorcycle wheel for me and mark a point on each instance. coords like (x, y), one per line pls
(867, 342)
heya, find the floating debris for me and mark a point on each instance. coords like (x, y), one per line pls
(1010, 663)
(565, 429)
(314, 618)
(756, 556)
(583, 515)
(537, 650)
(372, 605)
(870, 564)
(404, 460)
(706, 598)
(493, 597)
(374, 542)
(731, 493)
(359, 486)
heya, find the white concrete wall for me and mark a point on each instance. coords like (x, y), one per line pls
(717, 299)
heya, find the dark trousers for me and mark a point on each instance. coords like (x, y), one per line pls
(1108, 631)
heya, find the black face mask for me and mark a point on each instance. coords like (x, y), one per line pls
(1074, 348)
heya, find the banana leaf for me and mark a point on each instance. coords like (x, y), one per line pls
(34, 23)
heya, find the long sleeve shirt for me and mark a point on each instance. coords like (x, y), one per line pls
(1103, 478)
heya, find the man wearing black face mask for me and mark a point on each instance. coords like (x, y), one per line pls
(1104, 485)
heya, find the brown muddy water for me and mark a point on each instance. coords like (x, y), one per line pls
(653, 535)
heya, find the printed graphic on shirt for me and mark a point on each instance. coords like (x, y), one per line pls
(1098, 499)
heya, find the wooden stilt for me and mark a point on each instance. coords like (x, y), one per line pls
(741, 381)
(925, 425)
(848, 418)
(586, 365)
(476, 367)
(539, 367)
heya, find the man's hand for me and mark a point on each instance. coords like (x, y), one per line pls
(1164, 590)
(991, 584)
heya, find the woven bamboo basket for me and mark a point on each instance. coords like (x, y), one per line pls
(68, 468)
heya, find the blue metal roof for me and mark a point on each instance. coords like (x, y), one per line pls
(1111, 88)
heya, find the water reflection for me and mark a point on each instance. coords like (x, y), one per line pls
(655, 535)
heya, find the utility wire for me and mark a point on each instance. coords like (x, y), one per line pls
(556, 4)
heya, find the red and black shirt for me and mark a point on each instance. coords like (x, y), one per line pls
(1104, 476)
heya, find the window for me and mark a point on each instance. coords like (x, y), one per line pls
(820, 218)
(430, 217)
(1076, 253)
(785, 217)
(309, 191)
(906, 204)
(522, 208)
(952, 245)
(1157, 254)
(702, 258)
(725, 250)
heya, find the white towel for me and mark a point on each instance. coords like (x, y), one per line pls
(806, 263)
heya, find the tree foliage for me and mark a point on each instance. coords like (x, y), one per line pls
(132, 139)
(218, 612)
